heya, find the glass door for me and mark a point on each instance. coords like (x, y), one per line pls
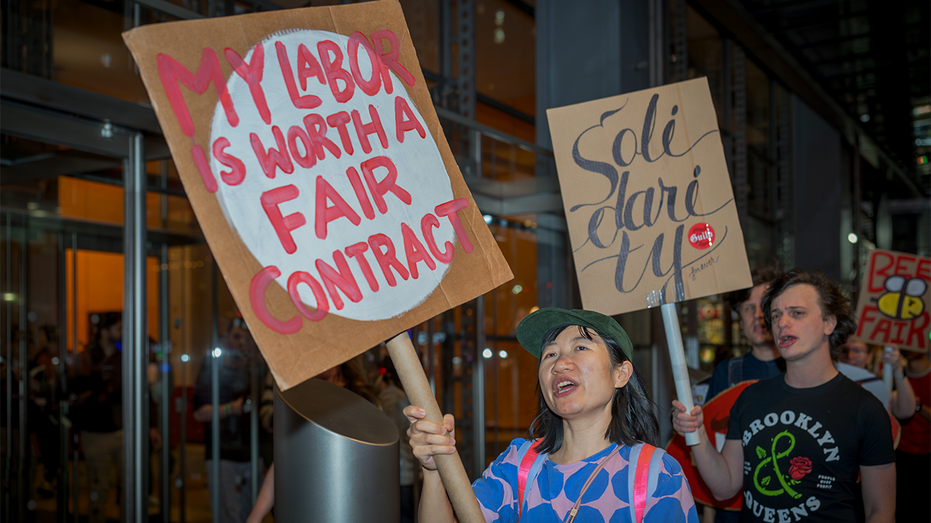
(64, 314)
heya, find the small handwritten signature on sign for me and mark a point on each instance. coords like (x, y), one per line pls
(647, 197)
(316, 120)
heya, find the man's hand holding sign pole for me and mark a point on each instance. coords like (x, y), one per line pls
(316, 166)
(648, 201)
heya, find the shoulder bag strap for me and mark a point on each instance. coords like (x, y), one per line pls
(642, 477)
(529, 468)
(735, 371)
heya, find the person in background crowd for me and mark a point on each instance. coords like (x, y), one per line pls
(763, 360)
(98, 411)
(856, 353)
(237, 359)
(394, 400)
(901, 401)
(913, 456)
(796, 443)
(43, 407)
(350, 375)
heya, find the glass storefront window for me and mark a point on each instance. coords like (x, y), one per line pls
(504, 54)
(759, 161)
(705, 59)
(423, 18)
(88, 51)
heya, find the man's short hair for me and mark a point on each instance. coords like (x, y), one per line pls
(760, 275)
(832, 300)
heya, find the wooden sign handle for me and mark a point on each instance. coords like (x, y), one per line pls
(410, 370)
(680, 371)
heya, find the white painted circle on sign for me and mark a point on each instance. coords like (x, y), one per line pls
(420, 172)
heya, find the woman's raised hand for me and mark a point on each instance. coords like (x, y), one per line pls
(429, 439)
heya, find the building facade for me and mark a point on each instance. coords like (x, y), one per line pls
(827, 151)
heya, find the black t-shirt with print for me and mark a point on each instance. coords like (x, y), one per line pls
(803, 448)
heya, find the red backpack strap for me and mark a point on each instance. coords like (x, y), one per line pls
(641, 481)
(525, 464)
(646, 462)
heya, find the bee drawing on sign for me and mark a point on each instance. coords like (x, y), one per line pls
(902, 299)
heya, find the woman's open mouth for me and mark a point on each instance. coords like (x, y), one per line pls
(564, 387)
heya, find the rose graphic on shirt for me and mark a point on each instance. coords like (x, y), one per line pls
(798, 467)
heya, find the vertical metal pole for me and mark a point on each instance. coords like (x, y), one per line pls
(164, 370)
(495, 377)
(446, 51)
(135, 335)
(772, 152)
(727, 129)
(8, 356)
(214, 356)
(657, 49)
(786, 222)
(680, 66)
(23, 490)
(465, 46)
(478, 390)
(74, 358)
(476, 145)
(857, 196)
(254, 472)
(739, 78)
(62, 390)
(181, 482)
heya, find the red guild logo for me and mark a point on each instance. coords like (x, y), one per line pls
(701, 236)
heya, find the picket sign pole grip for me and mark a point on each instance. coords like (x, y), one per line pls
(887, 376)
(410, 370)
(680, 371)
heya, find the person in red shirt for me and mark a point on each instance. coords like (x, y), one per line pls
(913, 457)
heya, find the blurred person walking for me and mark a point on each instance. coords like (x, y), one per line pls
(98, 411)
(237, 360)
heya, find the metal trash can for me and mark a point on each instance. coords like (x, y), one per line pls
(336, 457)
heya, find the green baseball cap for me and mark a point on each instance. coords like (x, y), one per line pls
(531, 329)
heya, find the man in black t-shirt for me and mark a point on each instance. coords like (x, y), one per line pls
(796, 444)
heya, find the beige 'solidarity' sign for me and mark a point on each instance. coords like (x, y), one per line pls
(312, 156)
(652, 218)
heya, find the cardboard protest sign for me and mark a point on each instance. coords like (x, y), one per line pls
(315, 163)
(892, 308)
(652, 218)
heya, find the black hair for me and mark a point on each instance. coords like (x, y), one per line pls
(357, 381)
(391, 372)
(832, 300)
(760, 276)
(633, 413)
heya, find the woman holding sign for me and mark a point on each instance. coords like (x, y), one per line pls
(595, 420)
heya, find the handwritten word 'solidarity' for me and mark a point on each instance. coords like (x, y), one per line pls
(618, 214)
